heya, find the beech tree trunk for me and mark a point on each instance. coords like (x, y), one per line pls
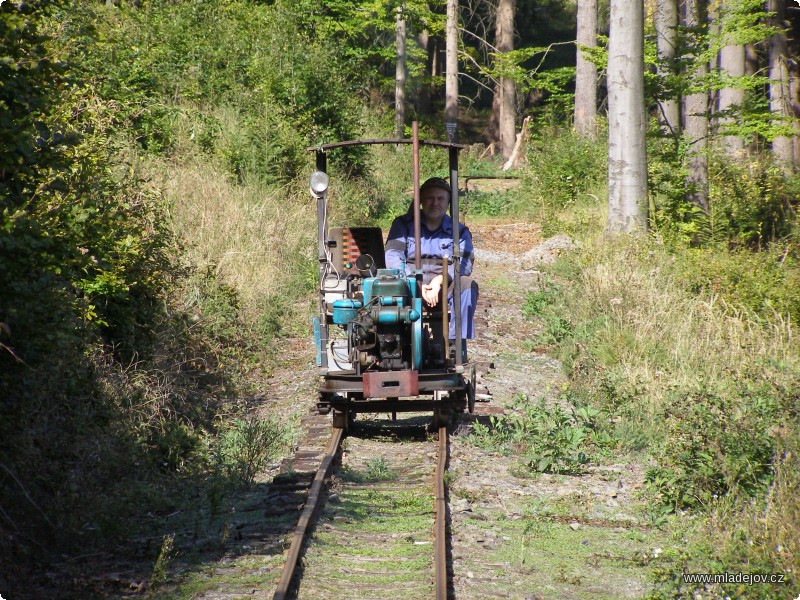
(451, 72)
(400, 76)
(423, 91)
(696, 124)
(506, 89)
(627, 121)
(732, 61)
(780, 94)
(585, 116)
(666, 22)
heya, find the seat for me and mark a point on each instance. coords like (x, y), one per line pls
(346, 244)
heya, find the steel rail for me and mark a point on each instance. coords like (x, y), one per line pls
(311, 507)
(440, 527)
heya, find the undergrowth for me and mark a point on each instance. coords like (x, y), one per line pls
(704, 385)
(561, 439)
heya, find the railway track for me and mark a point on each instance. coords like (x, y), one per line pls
(374, 537)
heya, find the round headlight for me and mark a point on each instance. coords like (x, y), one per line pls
(319, 183)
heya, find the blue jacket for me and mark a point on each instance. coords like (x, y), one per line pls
(434, 246)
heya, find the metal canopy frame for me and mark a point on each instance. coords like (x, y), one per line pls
(373, 142)
(453, 149)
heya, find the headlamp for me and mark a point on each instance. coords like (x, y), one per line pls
(319, 183)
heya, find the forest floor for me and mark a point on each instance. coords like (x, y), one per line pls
(514, 534)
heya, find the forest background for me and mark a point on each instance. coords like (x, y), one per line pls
(155, 247)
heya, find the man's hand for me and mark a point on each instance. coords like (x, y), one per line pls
(432, 291)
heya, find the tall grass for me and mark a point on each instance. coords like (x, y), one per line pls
(708, 390)
(255, 239)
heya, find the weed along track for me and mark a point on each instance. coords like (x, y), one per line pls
(382, 532)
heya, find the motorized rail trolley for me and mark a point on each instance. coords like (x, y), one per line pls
(379, 348)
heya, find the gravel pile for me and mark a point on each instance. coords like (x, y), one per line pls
(541, 254)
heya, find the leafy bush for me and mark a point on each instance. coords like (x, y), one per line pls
(246, 445)
(751, 206)
(537, 301)
(549, 438)
(763, 283)
(714, 444)
(564, 168)
(752, 536)
(541, 304)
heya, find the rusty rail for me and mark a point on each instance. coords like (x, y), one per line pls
(440, 527)
(307, 518)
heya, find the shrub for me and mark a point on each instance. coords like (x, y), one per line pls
(564, 168)
(715, 444)
(550, 438)
(244, 447)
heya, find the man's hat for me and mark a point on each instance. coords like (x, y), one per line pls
(435, 182)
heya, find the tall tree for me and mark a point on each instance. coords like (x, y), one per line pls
(666, 23)
(585, 116)
(627, 120)
(506, 88)
(731, 97)
(400, 75)
(696, 110)
(451, 72)
(780, 97)
(423, 88)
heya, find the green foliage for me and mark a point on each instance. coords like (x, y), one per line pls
(635, 352)
(764, 284)
(549, 438)
(714, 444)
(751, 205)
(763, 539)
(541, 304)
(165, 556)
(379, 470)
(160, 65)
(564, 167)
(245, 446)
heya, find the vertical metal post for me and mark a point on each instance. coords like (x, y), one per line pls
(417, 232)
(456, 255)
(445, 323)
(322, 165)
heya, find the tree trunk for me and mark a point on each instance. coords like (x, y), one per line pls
(666, 22)
(585, 72)
(506, 89)
(627, 121)
(750, 59)
(732, 61)
(423, 95)
(400, 76)
(451, 72)
(696, 124)
(780, 97)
